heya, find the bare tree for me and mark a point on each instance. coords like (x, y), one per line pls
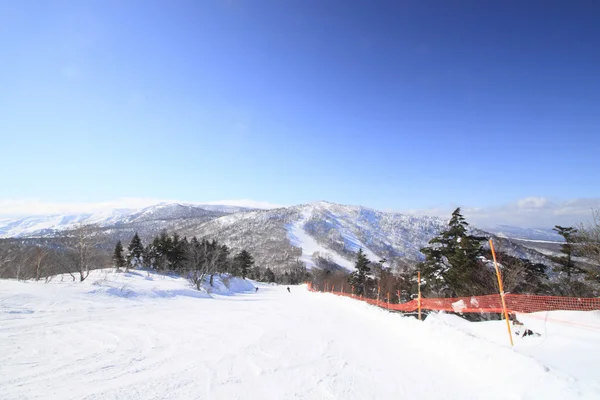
(39, 259)
(587, 242)
(82, 254)
(197, 262)
(8, 255)
(513, 273)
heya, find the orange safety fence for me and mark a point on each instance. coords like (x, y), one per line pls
(492, 303)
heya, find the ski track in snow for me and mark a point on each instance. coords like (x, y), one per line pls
(78, 341)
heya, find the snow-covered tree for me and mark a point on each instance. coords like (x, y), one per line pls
(135, 254)
(360, 277)
(452, 263)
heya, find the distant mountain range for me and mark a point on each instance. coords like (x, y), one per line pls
(43, 225)
(514, 232)
(320, 233)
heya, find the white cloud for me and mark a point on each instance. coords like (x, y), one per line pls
(530, 212)
(532, 202)
(24, 207)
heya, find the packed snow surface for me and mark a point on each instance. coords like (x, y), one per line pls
(144, 336)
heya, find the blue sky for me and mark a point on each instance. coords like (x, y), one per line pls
(397, 105)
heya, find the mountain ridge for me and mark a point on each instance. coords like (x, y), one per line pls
(316, 234)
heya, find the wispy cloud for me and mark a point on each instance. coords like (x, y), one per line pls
(530, 212)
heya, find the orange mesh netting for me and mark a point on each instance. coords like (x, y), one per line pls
(492, 303)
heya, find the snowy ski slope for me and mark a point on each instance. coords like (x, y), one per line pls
(136, 336)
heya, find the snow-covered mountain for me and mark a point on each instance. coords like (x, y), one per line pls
(317, 234)
(515, 232)
(328, 234)
(33, 226)
(40, 225)
(322, 232)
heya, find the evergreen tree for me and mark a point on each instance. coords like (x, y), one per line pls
(149, 256)
(135, 254)
(245, 262)
(175, 252)
(452, 265)
(156, 258)
(223, 264)
(360, 278)
(118, 257)
(162, 247)
(565, 262)
(219, 259)
(255, 273)
(269, 276)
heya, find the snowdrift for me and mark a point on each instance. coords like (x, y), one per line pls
(150, 284)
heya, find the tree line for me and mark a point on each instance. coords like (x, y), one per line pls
(77, 252)
(199, 260)
(74, 253)
(457, 263)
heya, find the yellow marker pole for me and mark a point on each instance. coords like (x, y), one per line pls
(419, 297)
(378, 291)
(501, 293)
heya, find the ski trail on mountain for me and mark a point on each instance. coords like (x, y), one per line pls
(300, 238)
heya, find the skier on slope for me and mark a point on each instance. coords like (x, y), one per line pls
(256, 289)
(289, 289)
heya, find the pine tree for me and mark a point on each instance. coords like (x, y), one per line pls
(452, 266)
(118, 258)
(565, 262)
(155, 258)
(269, 276)
(162, 247)
(245, 262)
(223, 262)
(359, 278)
(135, 255)
(175, 252)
